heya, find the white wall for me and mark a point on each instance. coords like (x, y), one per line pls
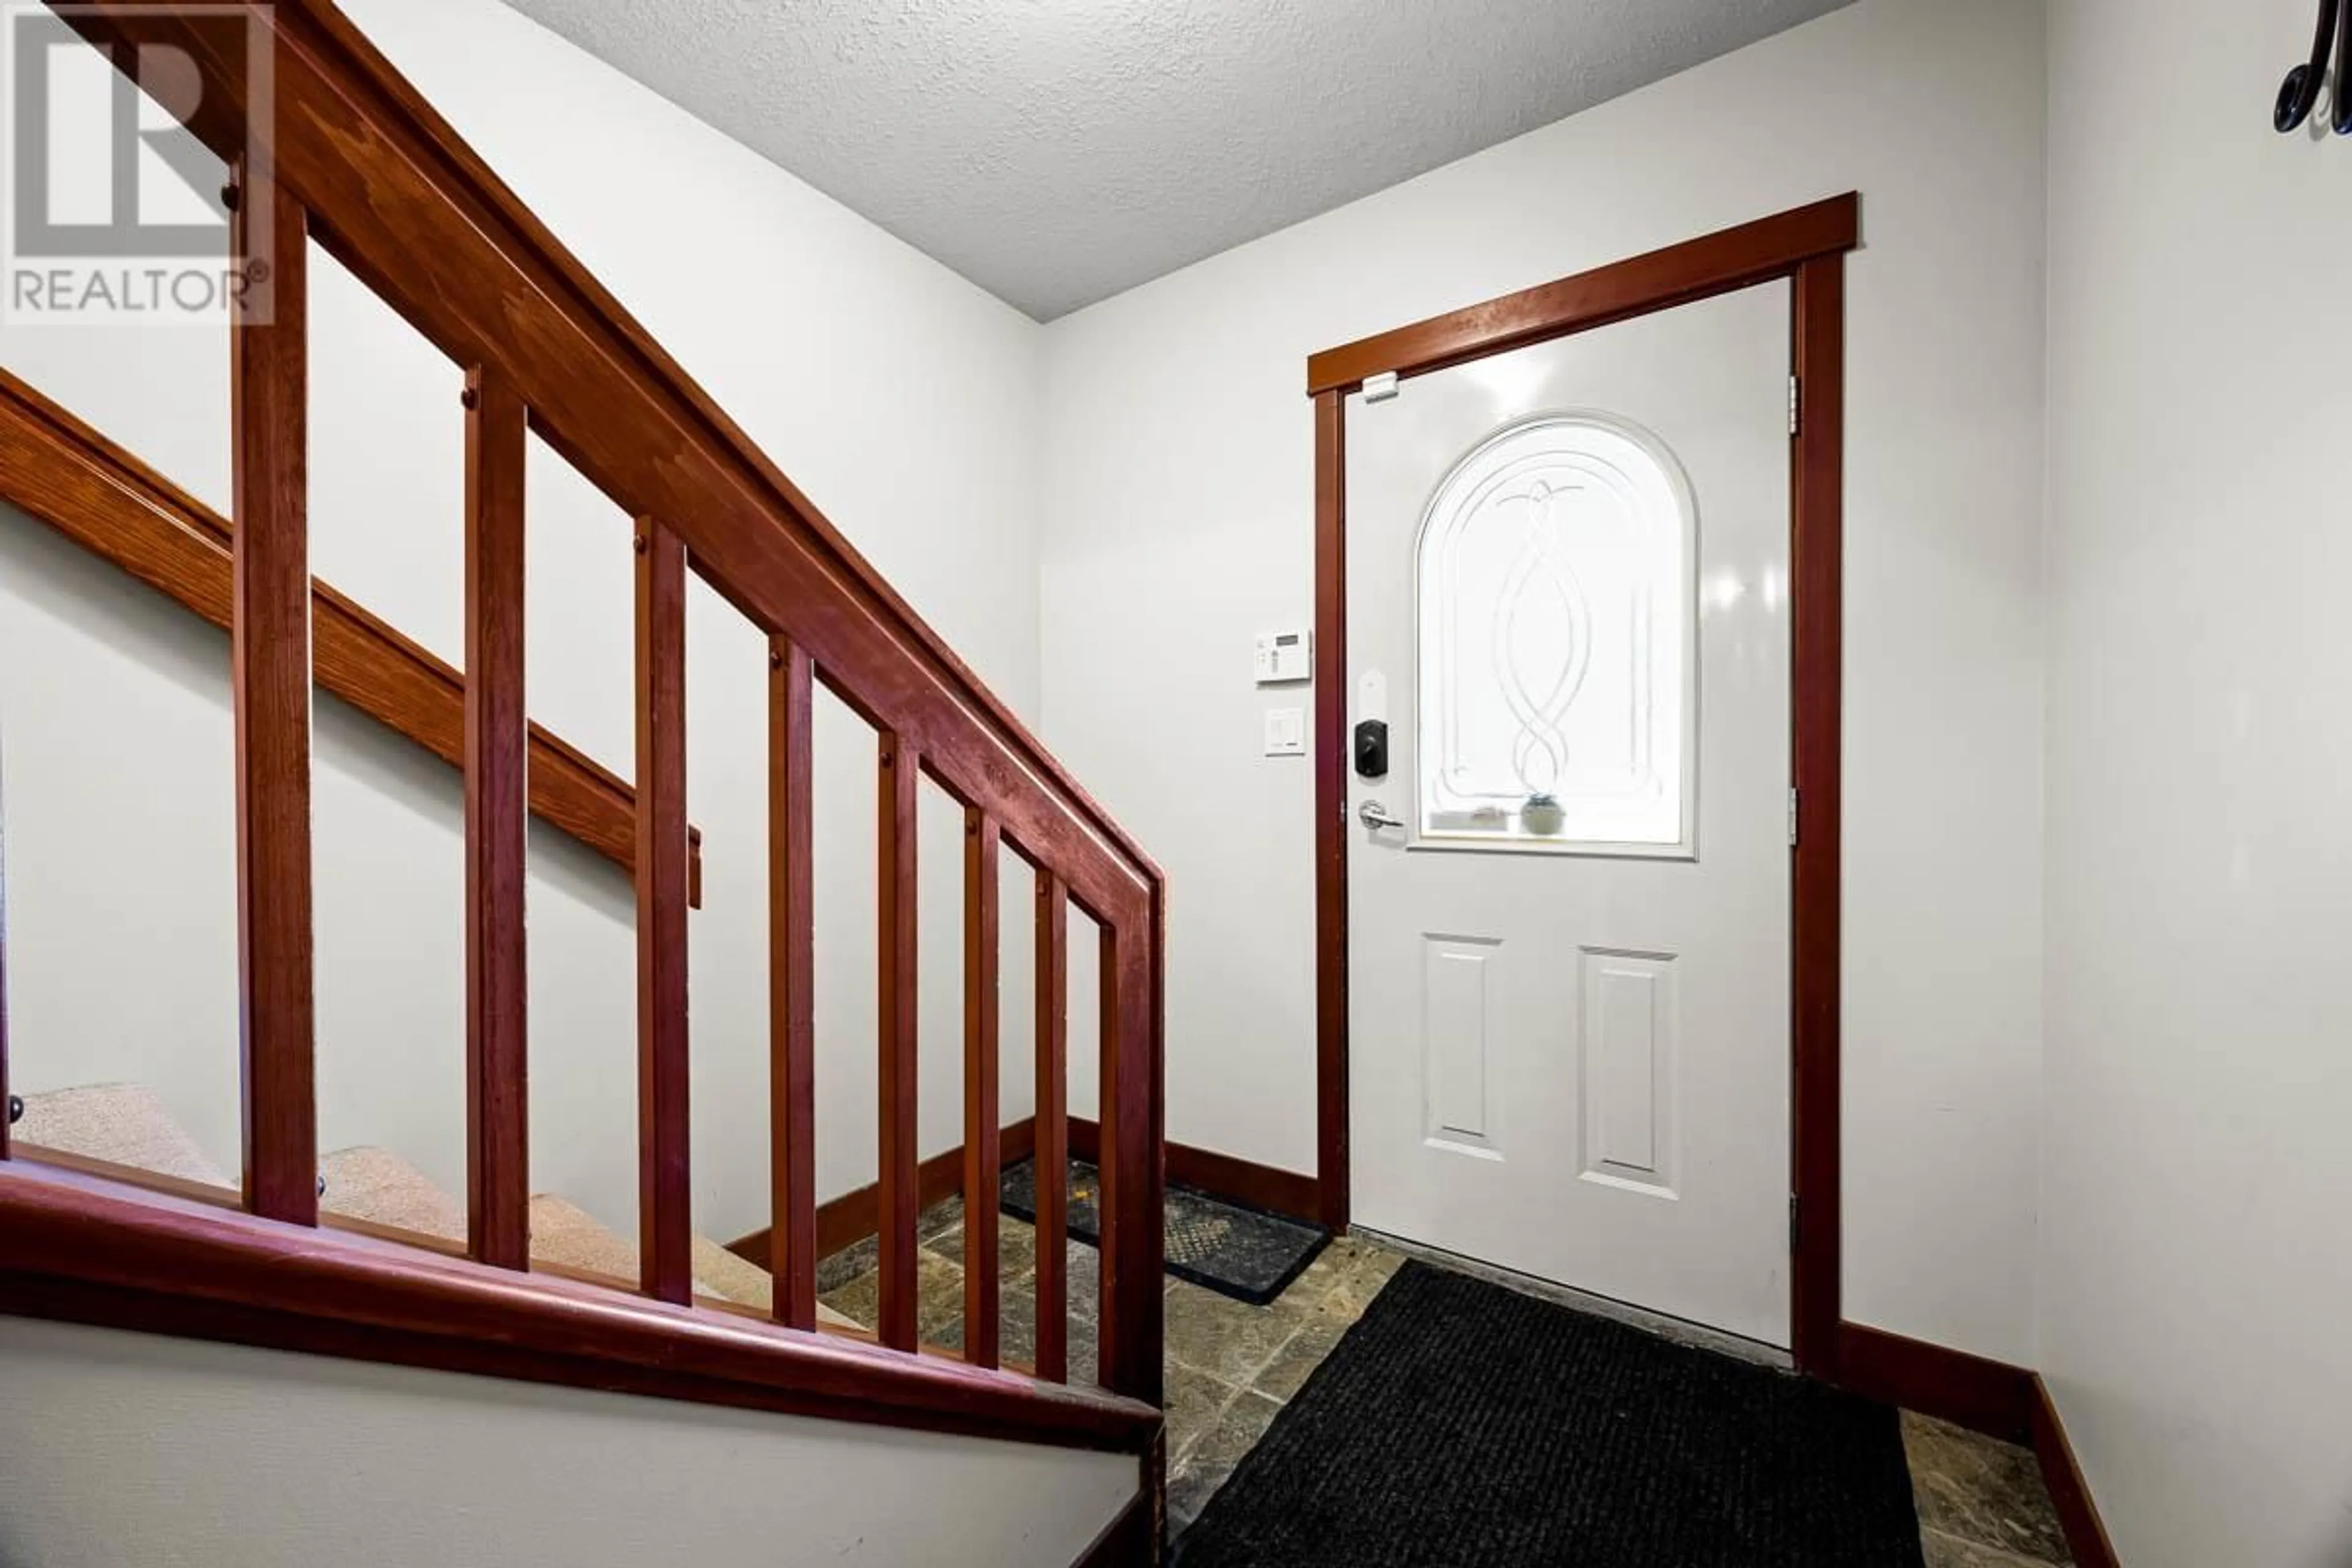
(897, 396)
(2195, 1258)
(1178, 508)
(156, 1450)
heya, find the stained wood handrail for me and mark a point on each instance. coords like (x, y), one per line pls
(83, 1247)
(59, 470)
(360, 165)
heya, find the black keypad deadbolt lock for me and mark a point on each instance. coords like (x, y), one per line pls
(1372, 749)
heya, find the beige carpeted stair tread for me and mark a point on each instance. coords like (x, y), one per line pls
(378, 1185)
(564, 1232)
(125, 1123)
(739, 1279)
(561, 1232)
(730, 1276)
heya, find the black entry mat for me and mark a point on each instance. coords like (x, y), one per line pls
(1234, 1251)
(1463, 1426)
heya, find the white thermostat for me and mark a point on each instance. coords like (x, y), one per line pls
(1286, 657)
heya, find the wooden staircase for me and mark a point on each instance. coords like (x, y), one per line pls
(125, 1132)
(355, 161)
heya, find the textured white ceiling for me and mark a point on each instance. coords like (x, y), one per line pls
(1056, 152)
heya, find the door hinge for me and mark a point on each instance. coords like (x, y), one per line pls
(1796, 402)
(1796, 1233)
(1382, 387)
(1792, 820)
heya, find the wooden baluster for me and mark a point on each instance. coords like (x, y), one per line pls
(1133, 1303)
(1053, 1163)
(271, 656)
(901, 1196)
(497, 818)
(665, 1200)
(792, 982)
(982, 1158)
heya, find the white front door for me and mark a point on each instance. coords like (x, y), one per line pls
(1568, 597)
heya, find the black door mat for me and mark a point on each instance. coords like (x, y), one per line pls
(1461, 1424)
(1239, 1252)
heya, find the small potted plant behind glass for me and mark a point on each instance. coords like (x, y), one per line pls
(1542, 816)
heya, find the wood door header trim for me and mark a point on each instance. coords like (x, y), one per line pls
(1717, 263)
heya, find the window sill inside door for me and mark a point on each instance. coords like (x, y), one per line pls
(1517, 844)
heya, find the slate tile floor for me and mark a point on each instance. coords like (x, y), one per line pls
(1230, 1368)
(1982, 1502)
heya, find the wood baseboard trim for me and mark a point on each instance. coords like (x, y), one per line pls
(1984, 1395)
(1972, 1391)
(844, 1222)
(852, 1217)
(1239, 1181)
(2086, 1532)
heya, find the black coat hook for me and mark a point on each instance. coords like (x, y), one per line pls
(2342, 118)
(2300, 93)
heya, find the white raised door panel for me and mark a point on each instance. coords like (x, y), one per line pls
(1627, 1050)
(1456, 1038)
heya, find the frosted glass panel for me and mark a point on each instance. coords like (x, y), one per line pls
(1555, 579)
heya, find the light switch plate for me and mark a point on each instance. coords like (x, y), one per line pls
(1286, 731)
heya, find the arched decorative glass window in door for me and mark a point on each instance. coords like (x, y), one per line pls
(1556, 578)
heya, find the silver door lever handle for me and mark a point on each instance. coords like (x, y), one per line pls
(1375, 816)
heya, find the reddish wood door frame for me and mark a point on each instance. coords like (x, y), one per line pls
(1806, 246)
